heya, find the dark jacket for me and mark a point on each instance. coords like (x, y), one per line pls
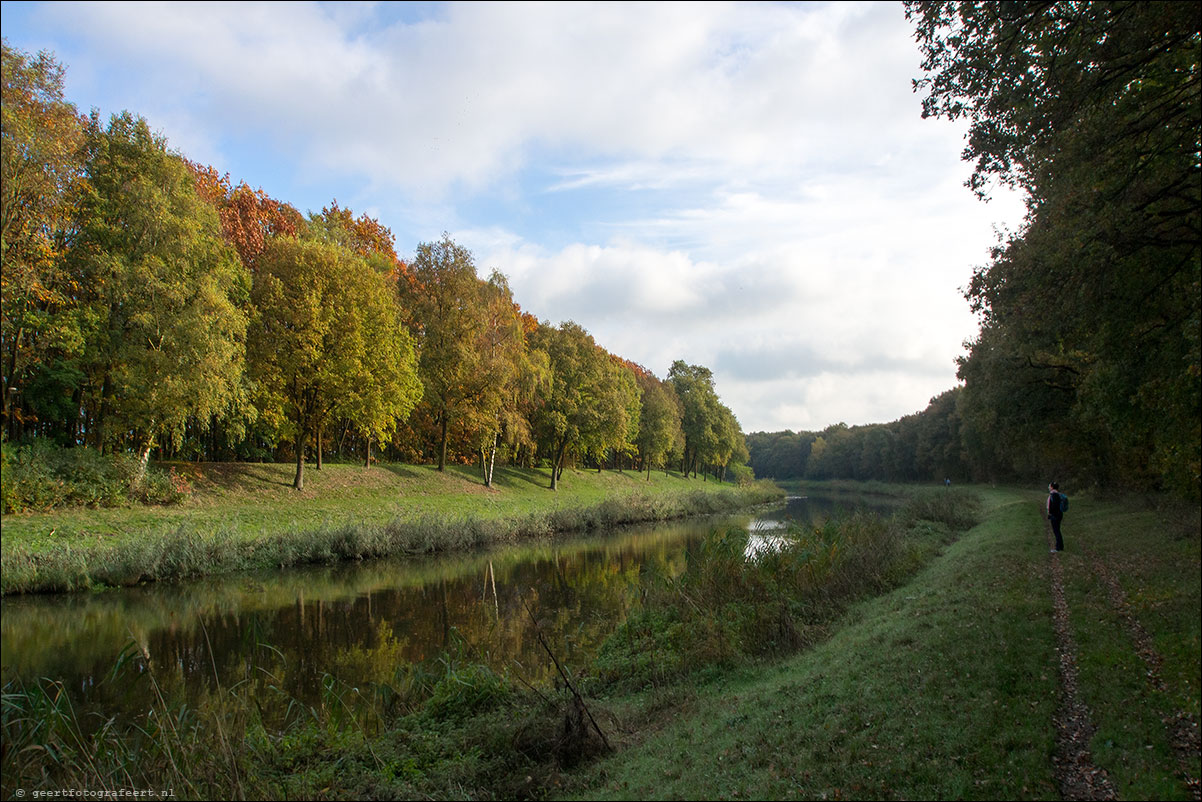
(1054, 511)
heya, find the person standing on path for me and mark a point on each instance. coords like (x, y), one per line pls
(1055, 514)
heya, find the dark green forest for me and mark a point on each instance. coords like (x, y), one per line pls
(1086, 365)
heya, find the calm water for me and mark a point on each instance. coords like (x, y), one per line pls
(287, 632)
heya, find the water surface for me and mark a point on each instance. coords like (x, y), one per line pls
(287, 632)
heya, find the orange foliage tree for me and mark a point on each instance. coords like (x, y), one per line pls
(248, 216)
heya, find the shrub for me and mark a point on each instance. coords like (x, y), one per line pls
(41, 476)
(733, 602)
(465, 690)
(959, 509)
(741, 474)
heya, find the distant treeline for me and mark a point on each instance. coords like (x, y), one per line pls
(154, 306)
(916, 448)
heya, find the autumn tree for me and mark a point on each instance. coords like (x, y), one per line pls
(249, 217)
(364, 236)
(41, 175)
(468, 337)
(328, 340)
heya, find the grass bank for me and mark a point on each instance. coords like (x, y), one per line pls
(453, 728)
(896, 660)
(948, 687)
(247, 516)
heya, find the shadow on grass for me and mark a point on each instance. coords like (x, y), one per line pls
(243, 477)
(516, 477)
(398, 469)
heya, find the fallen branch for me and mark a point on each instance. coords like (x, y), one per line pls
(538, 631)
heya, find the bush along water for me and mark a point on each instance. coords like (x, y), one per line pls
(736, 602)
(445, 728)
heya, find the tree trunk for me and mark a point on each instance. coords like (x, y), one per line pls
(9, 388)
(318, 448)
(367, 459)
(492, 460)
(144, 460)
(299, 482)
(442, 446)
(98, 421)
(557, 465)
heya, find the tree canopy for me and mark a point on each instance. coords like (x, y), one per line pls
(1088, 355)
(161, 294)
(328, 341)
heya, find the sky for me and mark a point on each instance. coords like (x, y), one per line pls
(748, 187)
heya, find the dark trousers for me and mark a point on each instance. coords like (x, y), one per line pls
(1056, 531)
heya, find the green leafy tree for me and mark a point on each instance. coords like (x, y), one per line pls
(1088, 356)
(585, 404)
(694, 385)
(328, 340)
(618, 409)
(162, 296)
(729, 443)
(660, 434)
(512, 375)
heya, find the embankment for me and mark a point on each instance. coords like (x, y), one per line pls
(246, 517)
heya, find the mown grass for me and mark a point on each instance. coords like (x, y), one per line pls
(1152, 550)
(248, 517)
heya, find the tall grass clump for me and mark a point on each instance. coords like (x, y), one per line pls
(739, 600)
(42, 476)
(445, 728)
(958, 509)
(50, 744)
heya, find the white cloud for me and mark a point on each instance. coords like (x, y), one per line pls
(467, 98)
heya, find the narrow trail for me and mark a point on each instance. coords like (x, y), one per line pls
(1181, 726)
(1076, 774)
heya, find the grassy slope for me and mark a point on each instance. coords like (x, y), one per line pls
(253, 500)
(947, 687)
(244, 517)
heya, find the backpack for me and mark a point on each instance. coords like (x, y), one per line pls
(1063, 504)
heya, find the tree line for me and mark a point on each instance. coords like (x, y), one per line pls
(921, 447)
(1087, 363)
(152, 305)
